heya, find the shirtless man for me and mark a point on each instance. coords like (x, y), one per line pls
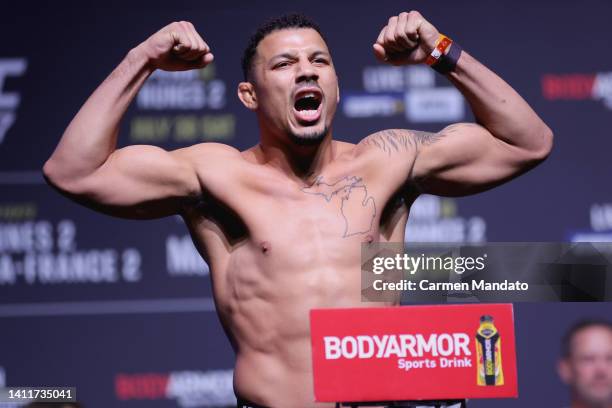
(281, 223)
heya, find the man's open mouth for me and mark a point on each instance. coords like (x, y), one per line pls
(307, 105)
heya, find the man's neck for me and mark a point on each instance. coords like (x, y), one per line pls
(296, 161)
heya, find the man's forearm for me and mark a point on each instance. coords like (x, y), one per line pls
(91, 136)
(498, 107)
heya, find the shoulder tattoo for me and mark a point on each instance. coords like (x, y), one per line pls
(393, 141)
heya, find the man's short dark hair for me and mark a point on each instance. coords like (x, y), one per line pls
(293, 20)
(566, 341)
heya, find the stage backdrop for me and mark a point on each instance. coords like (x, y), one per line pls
(123, 310)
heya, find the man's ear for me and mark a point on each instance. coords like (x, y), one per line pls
(337, 92)
(564, 371)
(246, 94)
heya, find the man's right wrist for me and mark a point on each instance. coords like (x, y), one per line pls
(138, 56)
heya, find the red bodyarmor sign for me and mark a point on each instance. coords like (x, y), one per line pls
(414, 353)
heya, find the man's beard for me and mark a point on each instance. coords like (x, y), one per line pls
(311, 138)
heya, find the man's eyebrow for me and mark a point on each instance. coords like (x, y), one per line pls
(292, 55)
(287, 55)
(320, 52)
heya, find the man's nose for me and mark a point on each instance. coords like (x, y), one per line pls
(306, 71)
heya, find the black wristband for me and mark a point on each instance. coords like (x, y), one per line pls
(447, 62)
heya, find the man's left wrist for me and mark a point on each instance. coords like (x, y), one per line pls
(442, 44)
(447, 62)
(445, 55)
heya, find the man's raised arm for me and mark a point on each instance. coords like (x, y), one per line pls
(137, 181)
(465, 158)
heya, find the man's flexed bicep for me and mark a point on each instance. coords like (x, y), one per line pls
(143, 181)
(465, 158)
(137, 181)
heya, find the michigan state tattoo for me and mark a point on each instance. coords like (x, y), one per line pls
(355, 206)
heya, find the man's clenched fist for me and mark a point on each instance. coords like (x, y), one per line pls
(177, 47)
(406, 39)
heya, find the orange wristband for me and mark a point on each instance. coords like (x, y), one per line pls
(441, 46)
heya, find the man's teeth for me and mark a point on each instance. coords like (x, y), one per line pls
(308, 95)
(308, 112)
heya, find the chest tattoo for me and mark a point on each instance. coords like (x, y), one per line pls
(350, 195)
